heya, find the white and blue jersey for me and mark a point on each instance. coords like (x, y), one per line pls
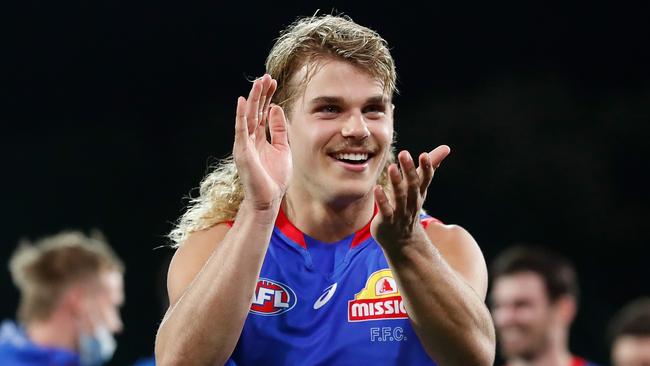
(327, 304)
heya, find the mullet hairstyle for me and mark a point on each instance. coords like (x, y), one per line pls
(304, 43)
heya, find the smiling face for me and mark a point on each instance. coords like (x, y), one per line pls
(523, 314)
(340, 132)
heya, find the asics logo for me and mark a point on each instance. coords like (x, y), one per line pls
(325, 297)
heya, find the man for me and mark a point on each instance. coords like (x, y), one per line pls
(309, 247)
(630, 334)
(70, 292)
(534, 300)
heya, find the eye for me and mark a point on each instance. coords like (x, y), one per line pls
(374, 111)
(327, 111)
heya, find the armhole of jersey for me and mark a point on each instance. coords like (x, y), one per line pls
(425, 220)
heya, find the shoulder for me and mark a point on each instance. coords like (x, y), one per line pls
(190, 257)
(11, 334)
(461, 252)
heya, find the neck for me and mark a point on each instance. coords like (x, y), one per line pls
(555, 354)
(54, 332)
(328, 221)
(547, 359)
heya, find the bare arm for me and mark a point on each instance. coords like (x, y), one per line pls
(440, 271)
(213, 275)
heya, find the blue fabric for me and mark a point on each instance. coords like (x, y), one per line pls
(297, 318)
(149, 361)
(17, 350)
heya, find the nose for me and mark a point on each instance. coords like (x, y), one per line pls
(114, 320)
(503, 316)
(355, 126)
(118, 326)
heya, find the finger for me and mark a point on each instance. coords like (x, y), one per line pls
(385, 208)
(278, 127)
(260, 128)
(266, 83)
(241, 128)
(399, 189)
(425, 171)
(411, 180)
(252, 104)
(438, 154)
(269, 96)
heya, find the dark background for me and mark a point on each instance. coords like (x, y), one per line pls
(111, 111)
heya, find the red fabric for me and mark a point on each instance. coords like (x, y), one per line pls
(577, 361)
(363, 234)
(427, 220)
(290, 231)
(287, 228)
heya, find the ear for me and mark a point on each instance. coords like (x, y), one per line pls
(74, 299)
(565, 309)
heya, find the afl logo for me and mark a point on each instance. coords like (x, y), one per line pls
(272, 298)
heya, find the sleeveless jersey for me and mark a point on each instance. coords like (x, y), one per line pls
(327, 304)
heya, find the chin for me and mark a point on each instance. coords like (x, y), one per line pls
(518, 352)
(348, 192)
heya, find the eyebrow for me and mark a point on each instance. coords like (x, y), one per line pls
(377, 99)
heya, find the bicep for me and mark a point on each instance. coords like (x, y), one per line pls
(462, 253)
(190, 258)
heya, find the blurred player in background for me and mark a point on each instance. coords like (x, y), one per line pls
(630, 334)
(71, 289)
(534, 300)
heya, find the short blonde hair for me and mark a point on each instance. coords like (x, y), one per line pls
(305, 41)
(43, 270)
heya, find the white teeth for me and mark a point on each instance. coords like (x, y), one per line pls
(353, 157)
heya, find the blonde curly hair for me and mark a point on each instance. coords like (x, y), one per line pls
(304, 42)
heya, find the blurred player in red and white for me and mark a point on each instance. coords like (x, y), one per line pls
(534, 300)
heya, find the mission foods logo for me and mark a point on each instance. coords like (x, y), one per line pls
(272, 298)
(380, 299)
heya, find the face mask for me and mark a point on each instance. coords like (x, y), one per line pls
(96, 349)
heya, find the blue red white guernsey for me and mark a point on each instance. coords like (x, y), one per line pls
(578, 361)
(327, 304)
